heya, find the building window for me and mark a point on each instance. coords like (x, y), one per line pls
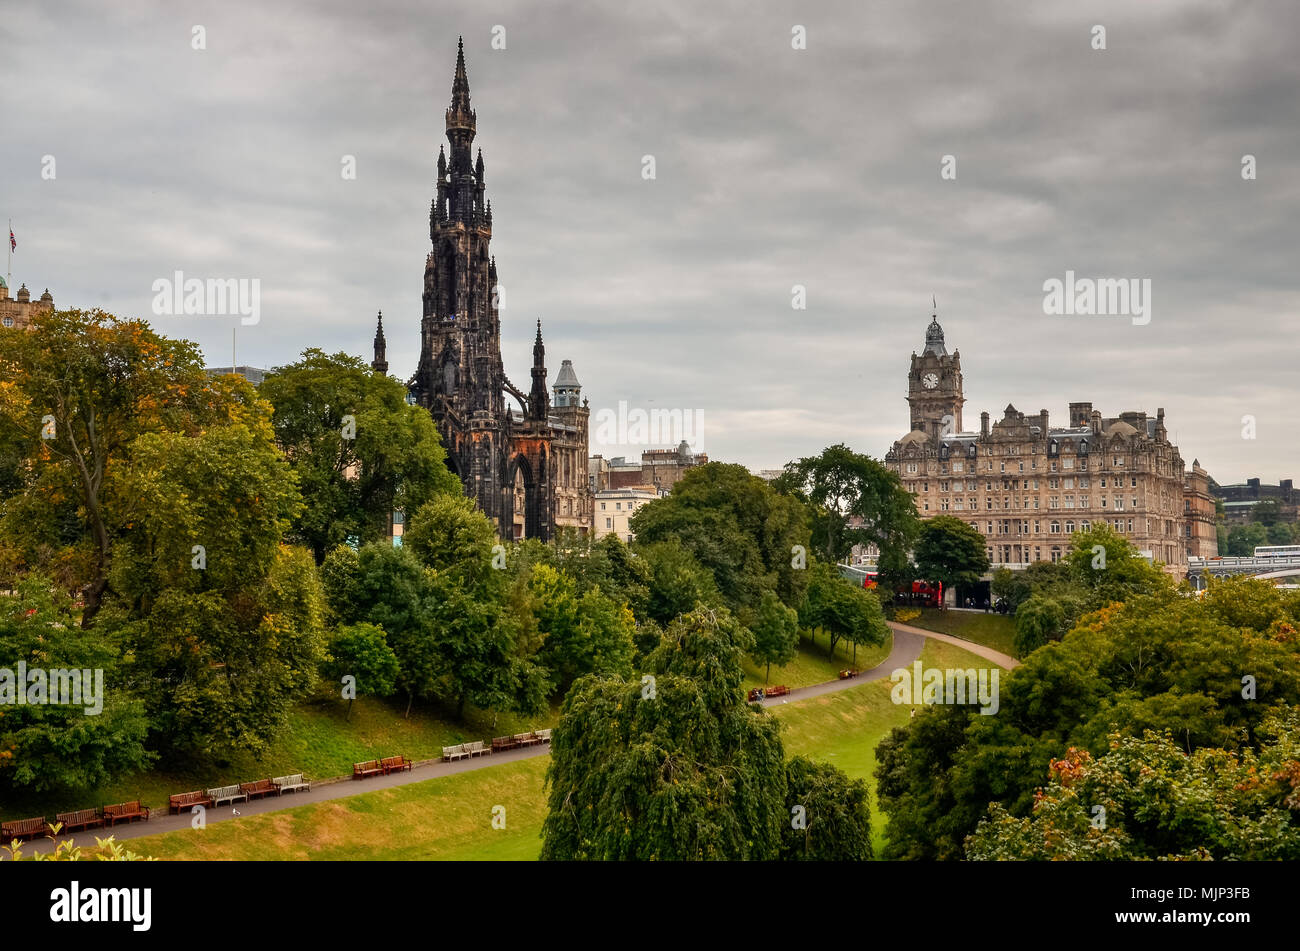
(1054, 527)
(609, 523)
(8, 321)
(602, 506)
(911, 467)
(1056, 554)
(1069, 528)
(961, 467)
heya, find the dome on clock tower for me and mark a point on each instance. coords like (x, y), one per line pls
(934, 338)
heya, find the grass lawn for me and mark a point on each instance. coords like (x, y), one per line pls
(843, 728)
(317, 741)
(812, 665)
(448, 818)
(992, 630)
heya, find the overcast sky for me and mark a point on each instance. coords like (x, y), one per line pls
(774, 167)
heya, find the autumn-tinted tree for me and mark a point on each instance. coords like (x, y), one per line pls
(76, 389)
(1148, 798)
(1208, 671)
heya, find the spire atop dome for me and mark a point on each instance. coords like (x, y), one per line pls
(934, 337)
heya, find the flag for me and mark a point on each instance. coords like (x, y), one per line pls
(13, 245)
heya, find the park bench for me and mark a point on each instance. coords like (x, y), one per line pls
(478, 749)
(79, 820)
(22, 828)
(126, 812)
(848, 674)
(502, 743)
(230, 794)
(291, 783)
(182, 802)
(526, 739)
(755, 694)
(452, 753)
(544, 735)
(395, 764)
(367, 769)
(780, 690)
(259, 788)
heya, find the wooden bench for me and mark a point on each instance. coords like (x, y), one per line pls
(395, 764)
(367, 769)
(526, 739)
(126, 812)
(478, 749)
(79, 820)
(453, 753)
(544, 735)
(184, 802)
(22, 828)
(502, 743)
(291, 783)
(848, 674)
(231, 794)
(780, 690)
(259, 788)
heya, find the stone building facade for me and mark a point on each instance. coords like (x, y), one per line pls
(1026, 485)
(1240, 498)
(526, 467)
(18, 311)
(1200, 518)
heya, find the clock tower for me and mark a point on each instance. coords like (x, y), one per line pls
(934, 386)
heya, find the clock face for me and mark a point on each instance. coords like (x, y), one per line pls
(930, 381)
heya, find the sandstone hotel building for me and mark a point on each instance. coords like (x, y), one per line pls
(1026, 485)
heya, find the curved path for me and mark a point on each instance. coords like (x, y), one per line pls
(908, 642)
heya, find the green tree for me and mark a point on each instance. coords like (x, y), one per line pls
(842, 610)
(1038, 620)
(776, 633)
(677, 581)
(51, 746)
(360, 451)
(361, 651)
(834, 814)
(950, 551)
(855, 500)
(582, 634)
(734, 524)
(1243, 539)
(676, 768)
(1266, 512)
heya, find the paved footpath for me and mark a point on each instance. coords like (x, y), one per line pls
(908, 642)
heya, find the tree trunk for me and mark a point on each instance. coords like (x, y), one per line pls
(410, 698)
(349, 716)
(460, 708)
(768, 676)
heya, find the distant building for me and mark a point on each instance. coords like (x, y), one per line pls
(769, 475)
(18, 311)
(254, 375)
(1027, 486)
(1240, 499)
(1199, 515)
(615, 507)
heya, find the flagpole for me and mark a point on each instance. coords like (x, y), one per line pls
(9, 269)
